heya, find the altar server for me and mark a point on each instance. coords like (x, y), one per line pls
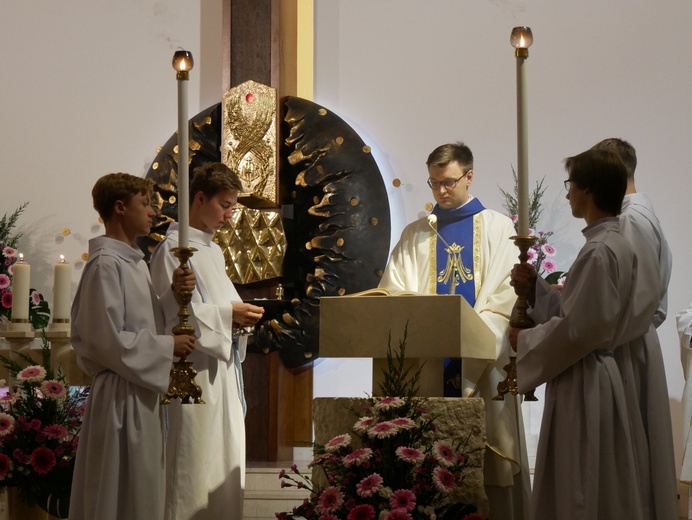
(117, 334)
(205, 475)
(464, 248)
(641, 362)
(587, 464)
(684, 324)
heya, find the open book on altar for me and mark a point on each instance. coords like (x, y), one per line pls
(438, 326)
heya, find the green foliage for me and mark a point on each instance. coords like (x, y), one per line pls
(7, 224)
(535, 200)
(398, 381)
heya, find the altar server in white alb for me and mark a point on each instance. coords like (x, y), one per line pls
(206, 442)
(117, 334)
(464, 248)
(684, 325)
(587, 463)
(641, 363)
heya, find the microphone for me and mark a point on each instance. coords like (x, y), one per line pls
(432, 220)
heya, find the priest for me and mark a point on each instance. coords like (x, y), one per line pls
(463, 248)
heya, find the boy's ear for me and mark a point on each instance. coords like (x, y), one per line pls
(119, 207)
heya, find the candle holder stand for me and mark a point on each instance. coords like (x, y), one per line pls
(520, 320)
(182, 384)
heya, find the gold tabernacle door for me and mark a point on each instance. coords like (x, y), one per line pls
(439, 326)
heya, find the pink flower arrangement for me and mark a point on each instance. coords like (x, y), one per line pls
(39, 312)
(40, 419)
(389, 467)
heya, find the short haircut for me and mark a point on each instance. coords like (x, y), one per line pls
(117, 186)
(624, 150)
(213, 178)
(445, 154)
(603, 173)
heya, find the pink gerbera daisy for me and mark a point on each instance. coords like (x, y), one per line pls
(444, 480)
(398, 514)
(548, 250)
(7, 300)
(403, 423)
(42, 460)
(32, 374)
(56, 431)
(9, 399)
(383, 430)
(410, 455)
(330, 500)
(444, 454)
(369, 485)
(10, 252)
(402, 499)
(387, 403)
(340, 441)
(532, 256)
(35, 297)
(362, 512)
(548, 266)
(357, 457)
(4, 281)
(53, 389)
(6, 424)
(363, 424)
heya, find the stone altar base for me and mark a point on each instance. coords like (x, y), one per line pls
(455, 420)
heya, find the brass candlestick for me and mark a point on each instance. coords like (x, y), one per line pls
(182, 385)
(520, 320)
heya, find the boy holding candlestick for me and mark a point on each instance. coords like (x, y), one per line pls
(589, 463)
(117, 333)
(206, 443)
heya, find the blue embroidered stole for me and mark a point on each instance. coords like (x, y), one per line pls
(456, 256)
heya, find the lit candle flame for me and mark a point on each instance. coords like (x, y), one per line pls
(21, 258)
(62, 259)
(521, 42)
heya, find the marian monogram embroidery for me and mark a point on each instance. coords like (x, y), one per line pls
(454, 263)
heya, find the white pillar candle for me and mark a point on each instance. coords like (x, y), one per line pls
(21, 274)
(183, 166)
(522, 151)
(62, 281)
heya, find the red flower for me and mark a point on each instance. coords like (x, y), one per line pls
(42, 460)
(5, 464)
(402, 499)
(362, 512)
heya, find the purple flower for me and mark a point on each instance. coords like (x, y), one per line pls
(548, 266)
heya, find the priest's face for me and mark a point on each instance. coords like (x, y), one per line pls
(212, 213)
(450, 185)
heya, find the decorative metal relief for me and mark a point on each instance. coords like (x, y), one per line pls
(248, 141)
(253, 244)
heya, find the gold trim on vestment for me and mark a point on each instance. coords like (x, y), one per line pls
(477, 269)
(432, 276)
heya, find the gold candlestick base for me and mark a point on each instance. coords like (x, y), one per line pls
(521, 320)
(182, 384)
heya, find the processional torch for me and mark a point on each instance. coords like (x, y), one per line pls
(521, 39)
(182, 384)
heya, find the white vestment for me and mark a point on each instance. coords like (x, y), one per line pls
(587, 465)
(410, 269)
(684, 325)
(641, 360)
(205, 454)
(116, 319)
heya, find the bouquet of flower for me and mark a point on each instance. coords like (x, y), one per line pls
(391, 466)
(541, 251)
(40, 419)
(39, 313)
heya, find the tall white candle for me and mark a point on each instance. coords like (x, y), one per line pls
(21, 274)
(183, 165)
(522, 150)
(62, 281)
